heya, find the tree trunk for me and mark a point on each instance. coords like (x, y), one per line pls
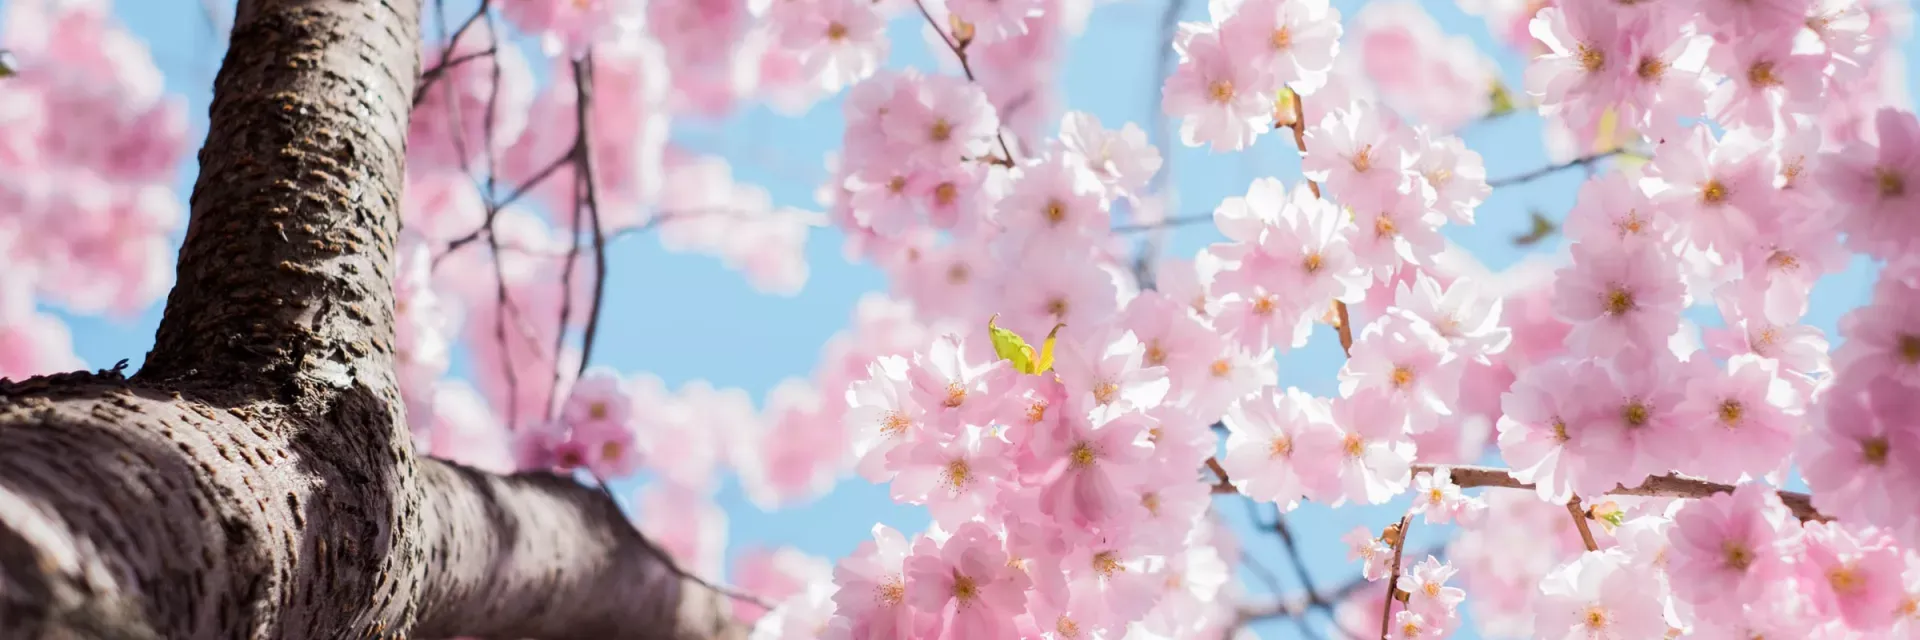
(257, 479)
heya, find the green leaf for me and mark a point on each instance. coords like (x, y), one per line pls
(1010, 346)
(1542, 229)
(1501, 100)
(1046, 350)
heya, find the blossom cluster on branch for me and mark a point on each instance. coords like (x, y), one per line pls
(1054, 392)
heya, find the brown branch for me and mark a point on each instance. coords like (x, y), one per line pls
(1543, 172)
(428, 77)
(1580, 522)
(257, 480)
(583, 82)
(1672, 485)
(1299, 126)
(1397, 537)
(513, 548)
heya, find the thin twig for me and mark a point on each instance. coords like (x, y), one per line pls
(427, 79)
(1542, 172)
(960, 51)
(1143, 261)
(1399, 540)
(1299, 126)
(1672, 485)
(1299, 564)
(1176, 221)
(1580, 522)
(583, 83)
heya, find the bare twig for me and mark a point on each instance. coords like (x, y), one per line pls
(1396, 536)
(1542, 172)
(1672, 485)
(1580, 522)
(428, 77)
(1177, 221)
(583, 83)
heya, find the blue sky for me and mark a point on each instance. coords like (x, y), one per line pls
(704, 322)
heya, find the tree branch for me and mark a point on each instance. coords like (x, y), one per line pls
(1397, 536)
(285, 277)
(1672, 485)
(1542, 172)
(1580, 522)
(537, 555)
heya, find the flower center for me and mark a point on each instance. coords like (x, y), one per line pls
(1910, 348)
(945, 194)
(1057, 307)
(1651, 68)
(895, 424)
(1713, 192)
(1056, 212)
(1067, 628)
(1363, 159)
(1282, 39)
(1221, 91)
(1560, 430)
(897, 184)
(611, 450)
(1636, 413)
(1151, 501)
(1436, 495)
(1104, 391)
(1313, 263)
(836, 31)
(956, 395)
(1845, 580)
(1438, 177)
(1891, 184)
(1221, 368)
(958, 473)
(1037, 411)
(1874, 451)
(1383, 227)
(569, 459)
(1263, 306)
(964, 589)
(942, 130)
(1156, 356)
(1402, 377)
(1354, 445)
(1739, 557)
(1591, 59)
(1761, 74)
(958, 274)
(1596, 618)
(597, 410)
(1618, 301)
(892, 592)
(1107, 563)
(1281, 447)
(1783, 261)
(1082, 455)
(1730, 411)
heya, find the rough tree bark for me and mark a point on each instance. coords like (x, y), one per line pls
(256, 479)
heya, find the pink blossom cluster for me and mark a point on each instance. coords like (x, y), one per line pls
(1064, 500)
(90, 147)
